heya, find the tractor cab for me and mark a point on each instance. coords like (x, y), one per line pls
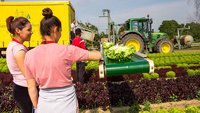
(141, 26)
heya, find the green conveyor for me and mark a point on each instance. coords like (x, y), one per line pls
(138, 64)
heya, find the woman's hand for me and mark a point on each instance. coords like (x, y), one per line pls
(33, 91)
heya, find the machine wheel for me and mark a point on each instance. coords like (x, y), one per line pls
(164, 46)
(133, 40)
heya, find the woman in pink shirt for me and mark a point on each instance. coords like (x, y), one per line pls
(21, 30)
(49, 66)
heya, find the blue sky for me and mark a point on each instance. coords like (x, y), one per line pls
(89, 11)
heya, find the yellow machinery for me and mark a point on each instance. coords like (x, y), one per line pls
(33, 11)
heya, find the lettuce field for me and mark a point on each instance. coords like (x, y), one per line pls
(176, 78)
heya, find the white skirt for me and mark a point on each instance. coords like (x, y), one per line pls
(57, 100)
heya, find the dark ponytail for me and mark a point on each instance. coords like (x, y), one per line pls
(9, 21)
(19, 22)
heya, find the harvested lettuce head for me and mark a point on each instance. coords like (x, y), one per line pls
(120, 52)
(107, 45)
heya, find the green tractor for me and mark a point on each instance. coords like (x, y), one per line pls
(137, 32)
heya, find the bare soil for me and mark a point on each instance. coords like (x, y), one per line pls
(193, 49)
(179, 104)
(188, 50)
(167, 105)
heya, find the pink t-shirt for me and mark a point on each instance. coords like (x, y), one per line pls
(12, 49)
(50, 64)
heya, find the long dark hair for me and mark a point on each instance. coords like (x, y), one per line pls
(48, 22)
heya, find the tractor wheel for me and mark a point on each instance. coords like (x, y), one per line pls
(164, 46)
(133, 40)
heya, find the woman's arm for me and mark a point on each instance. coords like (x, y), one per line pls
(33, 91)
(19, 57)
(94, 55)
(32, 85)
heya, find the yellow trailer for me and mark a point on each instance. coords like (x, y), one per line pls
(33, 11)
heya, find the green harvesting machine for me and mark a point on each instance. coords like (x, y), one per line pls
(138, 64)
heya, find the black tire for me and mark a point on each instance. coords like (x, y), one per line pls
(164, 46)
(133, 40)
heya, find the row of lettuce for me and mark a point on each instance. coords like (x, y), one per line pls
(176, 58)
(171, 74)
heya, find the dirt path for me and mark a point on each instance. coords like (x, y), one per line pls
(180, 104)
(193, 49)
(187, 50)
(167, 105)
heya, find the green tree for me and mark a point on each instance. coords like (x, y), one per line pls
(88, 26)
(169, 27)
(97, 39)
(91, 27)
(194, 31)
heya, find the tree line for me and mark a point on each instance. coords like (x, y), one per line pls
(170, 27)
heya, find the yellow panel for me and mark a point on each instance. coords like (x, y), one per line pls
(33, 11)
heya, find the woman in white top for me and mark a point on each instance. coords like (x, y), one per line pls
(21, 31)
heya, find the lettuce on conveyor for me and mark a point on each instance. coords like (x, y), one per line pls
(107, 45)
(118, 52)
